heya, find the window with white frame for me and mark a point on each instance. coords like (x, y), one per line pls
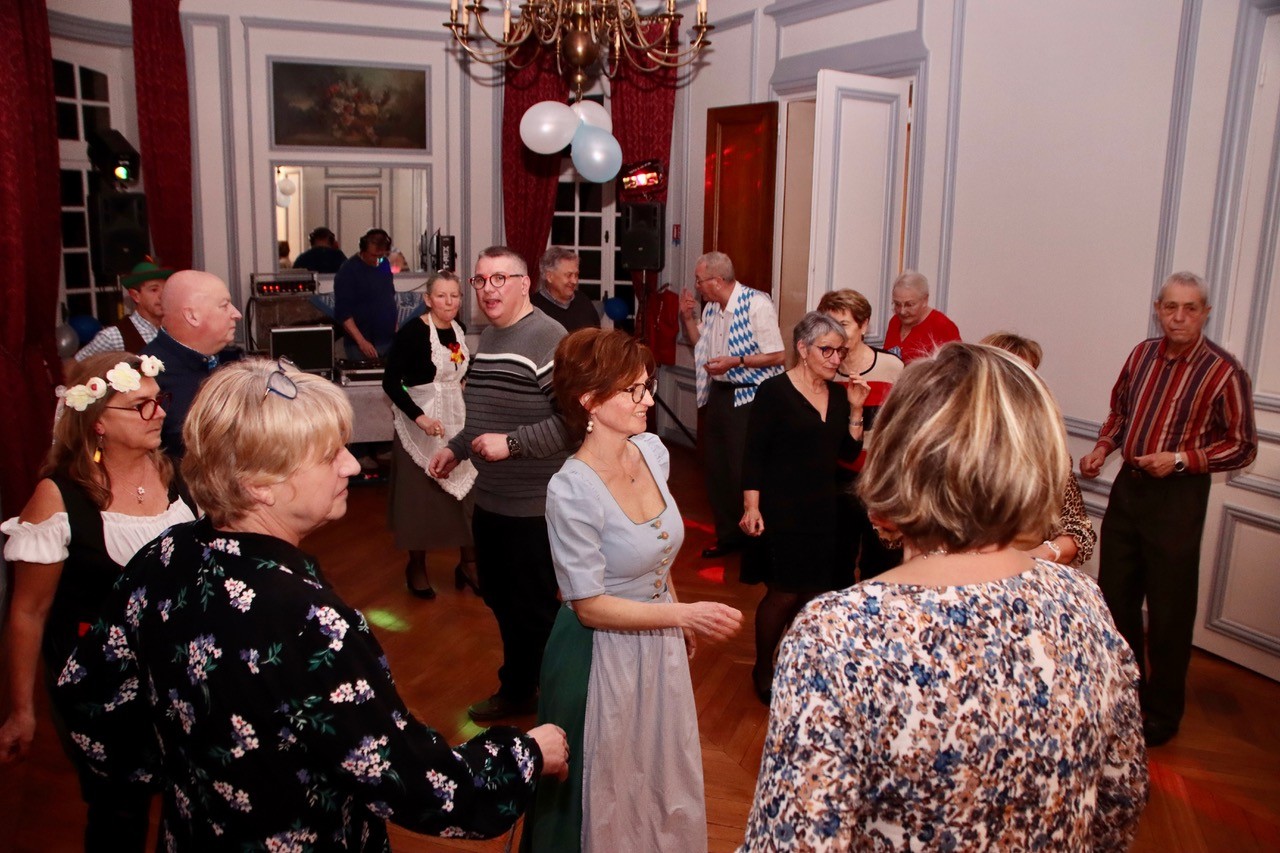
(586, 220)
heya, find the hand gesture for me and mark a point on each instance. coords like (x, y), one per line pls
(721, 364)
(367, 349)
(1091, 463)
(1155, 464)
(688, 304)
(16, 736)
(711, 619)
(429, 425)
(752, 522)
(491, 447)
(857, 391)
(442, 463)
(555, 750)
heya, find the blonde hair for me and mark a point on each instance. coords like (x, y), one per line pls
(74, 438)
(851, 302)
(1024, 348)
(238, 435)
(968, 451)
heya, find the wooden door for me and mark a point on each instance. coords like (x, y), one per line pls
(742, 156)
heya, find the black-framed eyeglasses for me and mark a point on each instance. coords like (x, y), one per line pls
(498, 280)
(827, 352)
(279, 383)
(147, 408)
(638, 390)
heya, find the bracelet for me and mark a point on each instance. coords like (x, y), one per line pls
(1053, 546)
(858, 422)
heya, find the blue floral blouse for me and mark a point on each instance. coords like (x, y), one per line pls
(994, 716)
(228, 673)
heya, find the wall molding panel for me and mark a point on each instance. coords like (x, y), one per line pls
(76, 28)
(1218, 619)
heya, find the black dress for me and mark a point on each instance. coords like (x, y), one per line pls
(791, 458)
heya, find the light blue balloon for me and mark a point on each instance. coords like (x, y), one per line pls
(596, 154)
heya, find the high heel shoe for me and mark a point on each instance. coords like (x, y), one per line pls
(427, 592)
(462, 577)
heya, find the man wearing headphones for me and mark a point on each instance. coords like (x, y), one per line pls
(324, 254)
(364, 298)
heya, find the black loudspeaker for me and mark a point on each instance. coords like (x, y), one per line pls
(118, 236)
(640, 240)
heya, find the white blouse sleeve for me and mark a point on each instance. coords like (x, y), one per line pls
(45, 542)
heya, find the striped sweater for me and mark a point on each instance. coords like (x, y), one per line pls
(508, 391)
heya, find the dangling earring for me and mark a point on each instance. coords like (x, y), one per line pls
(590, 424)
(97, 452)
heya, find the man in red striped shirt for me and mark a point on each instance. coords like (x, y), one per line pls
(1181, 410)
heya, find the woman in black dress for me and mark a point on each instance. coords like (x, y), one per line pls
(801, 424)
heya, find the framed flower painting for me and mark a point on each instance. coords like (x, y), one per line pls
(348, 106)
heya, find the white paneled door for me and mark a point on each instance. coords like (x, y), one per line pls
(860, 154)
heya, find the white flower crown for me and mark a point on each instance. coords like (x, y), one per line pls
(123, 378)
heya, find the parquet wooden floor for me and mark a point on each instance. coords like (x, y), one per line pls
(1216, 787)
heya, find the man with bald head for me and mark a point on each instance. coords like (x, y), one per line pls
(199, 324)
(916, 330)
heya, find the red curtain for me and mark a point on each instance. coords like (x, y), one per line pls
(30, 247)
(164, 128)
(528, 179)
(643, 108)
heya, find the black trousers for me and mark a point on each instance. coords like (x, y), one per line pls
(518, 580)
(1151, 552)
(723, 443)
(872, 556)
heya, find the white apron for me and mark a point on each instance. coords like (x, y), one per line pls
(442, 400)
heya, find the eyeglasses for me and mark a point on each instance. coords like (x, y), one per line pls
(827, 352)
(497, 280)
(147, 408)
(638, 390)
(906, 306)
(279, 383)
(697, 280)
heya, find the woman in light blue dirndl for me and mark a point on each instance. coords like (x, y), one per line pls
(615, 674)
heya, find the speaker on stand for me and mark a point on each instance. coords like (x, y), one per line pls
(118, 236)
(640, 239)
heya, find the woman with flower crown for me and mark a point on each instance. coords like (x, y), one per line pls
(425, 368)
(108, 490)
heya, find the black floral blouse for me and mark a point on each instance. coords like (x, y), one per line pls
(228, 673)
(994, 716)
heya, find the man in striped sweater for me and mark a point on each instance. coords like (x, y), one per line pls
(1181, 410)
(517, 440)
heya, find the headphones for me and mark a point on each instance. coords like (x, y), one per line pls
(370, 234)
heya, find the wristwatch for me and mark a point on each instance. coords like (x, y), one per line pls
(514, 448)
(742, 361)
(1179, 465)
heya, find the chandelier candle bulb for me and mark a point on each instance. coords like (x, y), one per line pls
(506, 20)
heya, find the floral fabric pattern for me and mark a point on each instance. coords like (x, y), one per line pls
(228, 671)
(996, 716)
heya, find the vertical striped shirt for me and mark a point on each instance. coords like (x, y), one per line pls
(1199, 404)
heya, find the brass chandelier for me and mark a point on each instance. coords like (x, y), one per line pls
(586, 35)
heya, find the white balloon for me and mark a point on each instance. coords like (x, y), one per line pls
(596, 154)
(593, 114)
(287, 186)
(548, 126)
(283, 200)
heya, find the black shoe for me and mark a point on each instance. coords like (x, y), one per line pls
(720, 549)
(427, 592)
(763, 685)
(462, 577)
(1156, 734)
(498, 706)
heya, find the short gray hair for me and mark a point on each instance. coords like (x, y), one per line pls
(552, 257)
(814, 325)
(1189, 279)
(495, 252)
(718, 264)
(911, 280)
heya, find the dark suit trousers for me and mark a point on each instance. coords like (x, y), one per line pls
(518, 580)
(723, 443)
(1151, 551)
